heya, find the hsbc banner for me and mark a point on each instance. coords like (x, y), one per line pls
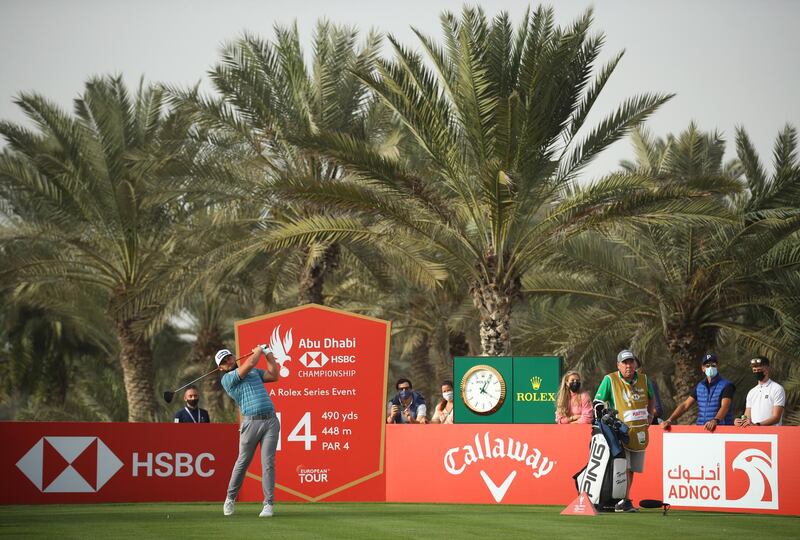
(51, 462)
(330, 399)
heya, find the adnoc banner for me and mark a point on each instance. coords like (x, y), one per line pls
(55, 462)
(331, 401)
(750, 470)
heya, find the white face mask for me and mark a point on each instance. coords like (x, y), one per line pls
(711, 372)
(448, 396)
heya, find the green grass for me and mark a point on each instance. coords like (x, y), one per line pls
(373, 520)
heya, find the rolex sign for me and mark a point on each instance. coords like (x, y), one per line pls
(536, 380)
(506, 390)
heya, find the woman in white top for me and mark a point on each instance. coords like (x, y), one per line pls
(443, 413)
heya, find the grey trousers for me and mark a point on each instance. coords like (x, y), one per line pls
(253, 431)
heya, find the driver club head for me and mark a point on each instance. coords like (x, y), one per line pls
(168, 396)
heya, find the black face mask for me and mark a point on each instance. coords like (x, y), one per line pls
(759, 375)
(192, 403)
(575, 386)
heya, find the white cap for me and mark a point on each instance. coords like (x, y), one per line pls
(221, 355)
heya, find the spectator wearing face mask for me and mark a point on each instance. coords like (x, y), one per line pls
(407, 406)
(443, 413)
(572, 405)
(191, 412)
(713, 395)
(766, 400)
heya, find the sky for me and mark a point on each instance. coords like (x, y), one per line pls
(728, 62)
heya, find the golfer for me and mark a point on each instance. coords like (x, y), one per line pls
(245, 384)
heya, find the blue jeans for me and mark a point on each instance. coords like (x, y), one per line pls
(264, 429)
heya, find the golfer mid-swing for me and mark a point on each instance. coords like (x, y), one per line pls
(245, 384)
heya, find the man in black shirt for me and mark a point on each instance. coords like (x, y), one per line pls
(191, 413)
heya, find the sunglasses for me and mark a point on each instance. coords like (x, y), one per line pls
(756, 362)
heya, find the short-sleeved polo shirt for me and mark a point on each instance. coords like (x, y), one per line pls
(248, 393)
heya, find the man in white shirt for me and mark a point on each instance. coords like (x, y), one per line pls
(765, 402)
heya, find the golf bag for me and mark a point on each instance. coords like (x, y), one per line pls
(605, 478)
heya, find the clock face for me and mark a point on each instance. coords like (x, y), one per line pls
(483, 389)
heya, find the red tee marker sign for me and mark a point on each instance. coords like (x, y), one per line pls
(581, 506)
(331, 397)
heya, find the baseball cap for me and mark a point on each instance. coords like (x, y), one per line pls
(708, 358)
(625, 354)
(221, 355)
(759, 361)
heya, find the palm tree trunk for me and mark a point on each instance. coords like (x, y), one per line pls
(494, 308)
(312, 279)
(136, 358)
(209, 341)
(686, 347)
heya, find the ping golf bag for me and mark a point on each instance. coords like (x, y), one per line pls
(605, 478)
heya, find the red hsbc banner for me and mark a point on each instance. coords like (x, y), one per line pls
(330, 400)
(53, 462)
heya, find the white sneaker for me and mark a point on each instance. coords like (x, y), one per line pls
(228, 507)
(267, 511)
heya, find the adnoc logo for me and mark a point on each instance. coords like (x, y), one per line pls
(69, 464)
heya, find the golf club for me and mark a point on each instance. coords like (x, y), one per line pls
(169, 395)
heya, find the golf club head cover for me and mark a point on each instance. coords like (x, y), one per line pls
(651, 503)
(599, 408)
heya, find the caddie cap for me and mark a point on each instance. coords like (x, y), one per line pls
(221, 355)
(625, 354)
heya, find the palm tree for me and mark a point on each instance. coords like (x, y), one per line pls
(690, 288)
(269, 98)
(495, 118)
(101, 191)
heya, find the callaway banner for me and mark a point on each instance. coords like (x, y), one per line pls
(733, 469)
(484, 463)
(54, 462)
(330, 399)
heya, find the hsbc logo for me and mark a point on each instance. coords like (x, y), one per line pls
(721, 470)
(314, 359)
(69, 464)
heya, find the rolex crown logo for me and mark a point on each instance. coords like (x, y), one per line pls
(536, 382)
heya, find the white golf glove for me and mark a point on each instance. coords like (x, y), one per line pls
(266, 349)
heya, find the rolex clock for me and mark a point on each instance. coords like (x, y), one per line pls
(483, 389)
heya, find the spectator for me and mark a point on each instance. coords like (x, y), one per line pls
(632, 396)
(191, 413)
(572, 405)
(713, 395)
(443, 413)
(766, 400)
(407, 406)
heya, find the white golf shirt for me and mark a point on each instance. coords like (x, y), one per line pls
(762, 398)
